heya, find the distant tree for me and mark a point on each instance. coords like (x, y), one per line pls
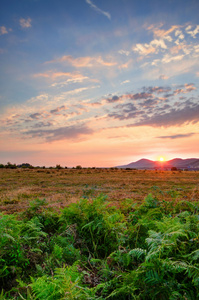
(78, 167)
(2, 166)
(58, 167)
(26, 165)
(10, 166)
(174, 169)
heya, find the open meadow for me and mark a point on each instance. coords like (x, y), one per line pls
(60, 187)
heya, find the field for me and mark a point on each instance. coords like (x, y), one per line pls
(61, 187)
(94, 234)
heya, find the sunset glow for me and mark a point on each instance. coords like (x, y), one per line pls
(98, 83)
(161, 159)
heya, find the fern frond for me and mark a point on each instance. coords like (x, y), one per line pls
(138, 252)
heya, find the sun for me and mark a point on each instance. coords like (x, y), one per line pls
(161, 159)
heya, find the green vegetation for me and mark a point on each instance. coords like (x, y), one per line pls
(93, 250)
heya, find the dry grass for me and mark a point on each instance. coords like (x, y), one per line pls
(61, 187)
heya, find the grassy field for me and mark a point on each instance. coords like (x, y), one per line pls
(61, 187)
(94, 234)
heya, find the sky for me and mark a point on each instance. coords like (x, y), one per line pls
(98, 83)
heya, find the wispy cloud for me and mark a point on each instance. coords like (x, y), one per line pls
(54, 75)
(176, 136)
(62, 133)
(79, 90)
(167, 58)
(79, 79)
(25, 23)
(105, 13)
(82, 62)
(158, 32)
(125, 81)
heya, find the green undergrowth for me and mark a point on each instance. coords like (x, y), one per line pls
(92, 250)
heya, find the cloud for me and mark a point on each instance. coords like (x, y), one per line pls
(158, 43)
(188, 88)
(79, 90)
(150, 109)
(25, 23)
(165, 51)
(125, 81)
(42, 124)
(176, 136)
(124, 52)
(55, 75)
(82, 62)
(168, 58)
(192, 32)
(122, 116)
(172, 118)
(35, 116)
(149, 103)
(179, 34)
(125, 112)
(161, 32)
(163, 77)
(126, 65)
(144, 49)
(113, 99)
(92, 5)
(62, 133)
(71, 80)
(3, 30)
(127, 108)
(176, 49)
(152, 47)
(58, 109)
(172, 68)
(137, 96)
(156, 89)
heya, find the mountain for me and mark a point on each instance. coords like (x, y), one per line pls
(190, 164)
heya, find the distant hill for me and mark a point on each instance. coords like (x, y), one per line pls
(190, 164)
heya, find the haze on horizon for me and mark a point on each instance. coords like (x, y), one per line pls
(98, 83)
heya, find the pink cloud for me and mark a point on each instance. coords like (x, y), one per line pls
(86, 61)
(55, 75)
(161, 32)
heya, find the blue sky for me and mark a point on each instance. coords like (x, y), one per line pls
(98, 83)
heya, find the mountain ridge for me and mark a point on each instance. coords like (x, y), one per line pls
(189, 163)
